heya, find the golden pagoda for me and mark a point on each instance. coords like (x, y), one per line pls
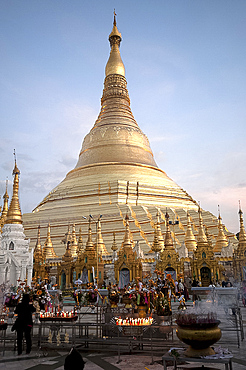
(190, 240)
(14, 215)
(116, 174)
(101, 249)
(48, 250)
(80, 243)
(156, 246)
(16, 256)
(5, 207)
(221, 240)
(65, 269)
(239, 257)
(74, 243)
(38, 259)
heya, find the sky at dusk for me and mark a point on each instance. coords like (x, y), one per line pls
(186, 72)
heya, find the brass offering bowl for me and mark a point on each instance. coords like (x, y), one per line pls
(199, 337)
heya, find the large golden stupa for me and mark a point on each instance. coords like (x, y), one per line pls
(116, 174)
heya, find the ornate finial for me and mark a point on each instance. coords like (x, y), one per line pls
(38, 254)
(100, 243)
(168, 238)
(89, 243)
(115, 18)
(201, 237)
(5, 206)
(48, 250)
(114, 245)
(239, 205)
(80, 242)
(156, 246)
(115, 64)
(242, 233)
(67, 237)
(219, 209)
(221, 240)
(158, 230)
(127, 238)
(190, 240)
(74, 243)
(67, 257)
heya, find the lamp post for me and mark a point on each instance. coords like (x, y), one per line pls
(96, 222)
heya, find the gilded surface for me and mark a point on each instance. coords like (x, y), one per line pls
(116, 174)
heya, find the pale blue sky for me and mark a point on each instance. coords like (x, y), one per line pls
(186, 70)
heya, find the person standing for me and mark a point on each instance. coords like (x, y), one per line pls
(24, 323)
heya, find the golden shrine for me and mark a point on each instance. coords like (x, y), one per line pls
(168, 259)
(127, 261)
(204, 264)
(116, 175)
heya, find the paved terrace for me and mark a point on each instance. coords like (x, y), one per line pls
(112, 357)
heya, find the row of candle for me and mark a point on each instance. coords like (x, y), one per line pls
(58, 314)
(134, 322)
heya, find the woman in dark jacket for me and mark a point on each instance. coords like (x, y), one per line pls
(24, 323)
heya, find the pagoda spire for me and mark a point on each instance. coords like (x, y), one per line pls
(115, 128)
(48, 250)
(168, 237)
(190, 240)
(38, 253)
(201, 237)
(159, 233)
(115, 64)
(14, 215)
(242, 233)
(5, 206)
(127, 237)
(80, 243)
(156, 246)
(67, 237)
(114, 245)
(74, 243)
(221, 240)
(89, 244)
(67, 257)
(100, 243)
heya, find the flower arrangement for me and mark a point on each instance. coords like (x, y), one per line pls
(11, 299)
(162, 305)
(42, 296)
